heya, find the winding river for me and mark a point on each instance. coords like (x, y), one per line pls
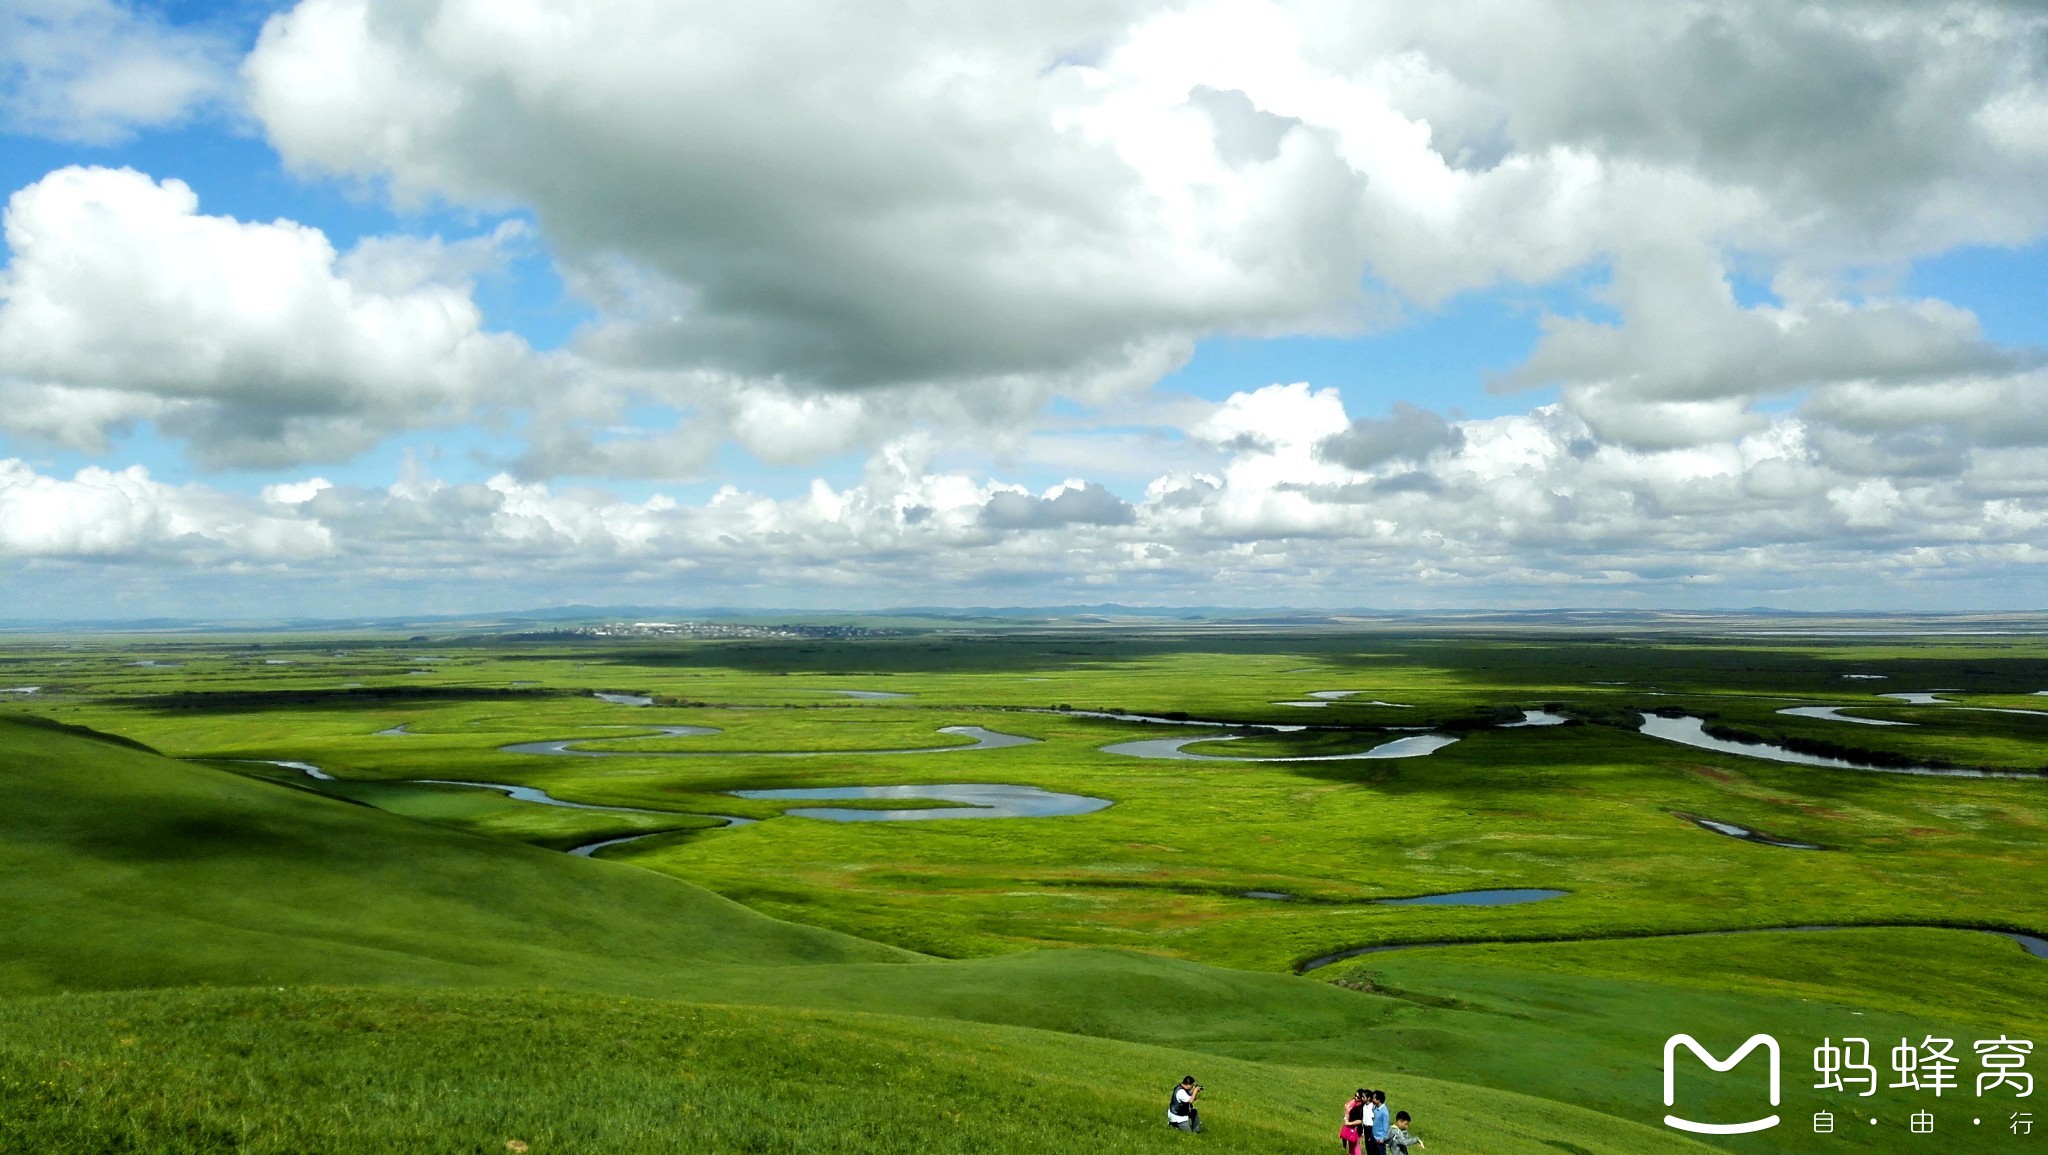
(1691, 731)
(1834, 714)
(1157, 720)
(978, 799)
(2032, 944)
(1414, 746)
(1513, 896)
(571, 747)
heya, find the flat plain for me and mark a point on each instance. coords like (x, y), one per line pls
(295, 893)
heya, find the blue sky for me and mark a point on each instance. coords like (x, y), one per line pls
(1234, 320)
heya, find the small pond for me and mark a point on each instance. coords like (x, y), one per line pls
(1733, 830)
(614, 699)
(1535, 718)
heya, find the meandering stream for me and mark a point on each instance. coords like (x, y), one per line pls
(1691, 731)
(2033, 945)
(571, 747)
(1834, 714)
(979, 799)
(1414, 746)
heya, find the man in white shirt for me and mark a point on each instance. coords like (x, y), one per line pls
(1180, 1110)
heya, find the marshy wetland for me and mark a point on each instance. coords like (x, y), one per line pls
(1483, 868)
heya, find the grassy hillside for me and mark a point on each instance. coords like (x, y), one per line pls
(1585, 1022)
(260, 1072)
(127, 869)
(614, 1005)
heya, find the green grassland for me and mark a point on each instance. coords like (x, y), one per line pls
(292, 1071)
(1094, 955)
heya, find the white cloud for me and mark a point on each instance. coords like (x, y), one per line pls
(1066, 504)
(1685, 362)
(958, 216)
(123, 302)
(926, 207)
(296, 492)
(1531, 508)
(1408, 434)
(109, 515)
(97, 70)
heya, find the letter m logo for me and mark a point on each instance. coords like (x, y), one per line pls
(1671, 1046)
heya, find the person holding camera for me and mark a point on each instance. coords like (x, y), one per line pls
(1180, 1109)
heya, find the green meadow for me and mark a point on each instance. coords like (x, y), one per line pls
(206, 950)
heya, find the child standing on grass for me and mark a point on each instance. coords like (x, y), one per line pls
(1399, 1140)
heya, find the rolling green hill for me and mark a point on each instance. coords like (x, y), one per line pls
(433, 974)
(126, 869)
(178, 1072)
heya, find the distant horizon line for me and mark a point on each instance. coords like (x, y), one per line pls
(574, 614)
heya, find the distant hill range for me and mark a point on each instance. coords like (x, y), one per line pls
(730, 622)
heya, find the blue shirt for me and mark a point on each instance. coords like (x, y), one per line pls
(1380, 1123)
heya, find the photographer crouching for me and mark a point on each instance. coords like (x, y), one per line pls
(1180, 1110)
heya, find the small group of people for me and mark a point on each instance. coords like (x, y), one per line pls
(1367, 1129)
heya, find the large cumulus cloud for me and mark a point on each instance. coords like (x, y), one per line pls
(840, 197)
(957, 213)
(106, 515)
(256, 342)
